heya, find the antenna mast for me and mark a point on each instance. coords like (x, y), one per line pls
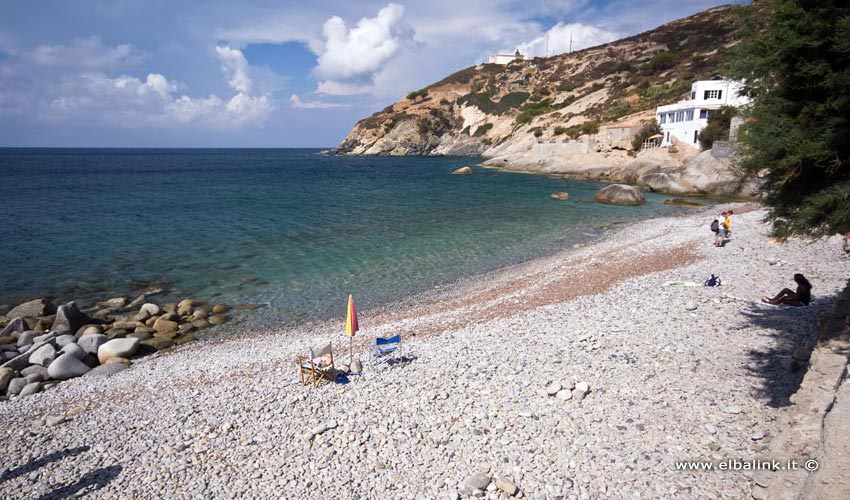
(571, 41)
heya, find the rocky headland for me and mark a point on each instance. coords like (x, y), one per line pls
(571, 114)
(587, 374)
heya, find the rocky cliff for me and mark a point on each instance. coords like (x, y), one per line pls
(559, 114)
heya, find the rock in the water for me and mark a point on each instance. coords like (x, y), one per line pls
(91, 342)
(107, 370)
(463, 171)
(16, 325)
(68, 318)
(220, 309)
(563, 196)
(661, 182)
(67, 366)
(43, 356)
(505, 484)
(6, 376)
(118, 348)
(217, 319)
(620, 194)
(32, 309)
(30, 389)
(681, 202)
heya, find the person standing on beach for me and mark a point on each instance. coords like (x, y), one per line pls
(720, 235)
(727, 223)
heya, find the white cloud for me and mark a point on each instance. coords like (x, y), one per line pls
(236, 67)
(84, 53)
(356, 55)
(558, 39)
(299, 103)
(129, 102)
(72, 84)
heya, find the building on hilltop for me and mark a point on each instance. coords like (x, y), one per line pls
(506, 58)
(685, 119)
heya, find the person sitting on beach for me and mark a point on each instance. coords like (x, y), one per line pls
(801, 297)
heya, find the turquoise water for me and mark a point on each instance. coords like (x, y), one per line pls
(290, 228)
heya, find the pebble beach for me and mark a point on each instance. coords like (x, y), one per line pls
(583, 374)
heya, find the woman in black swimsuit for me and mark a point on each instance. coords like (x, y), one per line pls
(801, 297)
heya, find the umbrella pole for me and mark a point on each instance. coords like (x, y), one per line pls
(350, 350)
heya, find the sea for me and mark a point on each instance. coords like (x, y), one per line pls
(293, 229)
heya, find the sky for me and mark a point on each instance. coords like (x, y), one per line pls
(263, 73)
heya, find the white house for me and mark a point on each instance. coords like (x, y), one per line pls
(506, 58)
(685, 119)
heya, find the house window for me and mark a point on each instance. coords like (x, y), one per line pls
(693, 94)
(689, 115)
(703, 113)
(713, 94)
(663, 118)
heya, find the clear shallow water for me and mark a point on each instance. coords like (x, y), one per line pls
(287, 227)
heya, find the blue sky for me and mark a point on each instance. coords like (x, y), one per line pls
(262, 73)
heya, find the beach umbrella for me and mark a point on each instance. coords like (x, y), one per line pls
(351, 326)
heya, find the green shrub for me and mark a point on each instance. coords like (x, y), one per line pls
(560, 130)
(662, 60)
(483, 129)
(649, 129)
(538, 132)
(534, 109)
(482, 101)
(717, 128)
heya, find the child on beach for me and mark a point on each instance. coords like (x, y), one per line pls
(800, 297)
(721, 233)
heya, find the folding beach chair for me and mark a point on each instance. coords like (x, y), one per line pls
(319, 365)
(386, 348)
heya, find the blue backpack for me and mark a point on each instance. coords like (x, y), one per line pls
(713, 281)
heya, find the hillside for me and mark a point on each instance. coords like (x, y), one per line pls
(538, 114)
(565, 95)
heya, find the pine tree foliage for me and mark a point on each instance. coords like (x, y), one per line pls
(797, 136)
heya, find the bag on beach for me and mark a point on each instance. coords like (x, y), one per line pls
(713, 281)
(715, 226)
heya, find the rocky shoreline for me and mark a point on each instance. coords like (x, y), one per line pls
(578, 375)
(42, 345)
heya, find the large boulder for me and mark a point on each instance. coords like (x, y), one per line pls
(31, 388)
(118, 348)
(16, 325)
(6, 376)
(27, 338)
(67, 366)
(63, 340)
(620, 194)
(163, 325)
(91, 342)
(660, 182)
(16, 385)
(73, 349)
(68, 318)
(32, 309)
(43, 356)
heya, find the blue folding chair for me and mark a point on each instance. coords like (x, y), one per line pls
(386, 348)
